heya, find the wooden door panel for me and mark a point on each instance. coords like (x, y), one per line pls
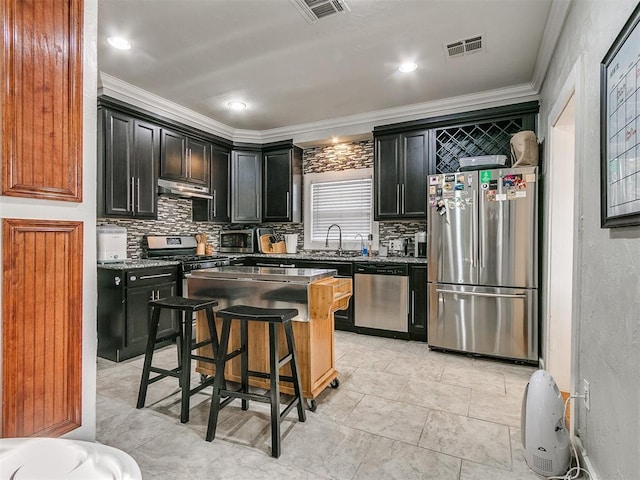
(41, 98)
(41, 327)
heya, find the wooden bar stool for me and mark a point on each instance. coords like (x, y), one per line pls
(185, 344)
(273, 316)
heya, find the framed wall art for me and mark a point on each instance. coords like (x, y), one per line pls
(619, 128)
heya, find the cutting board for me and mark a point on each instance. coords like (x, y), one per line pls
(267, 247)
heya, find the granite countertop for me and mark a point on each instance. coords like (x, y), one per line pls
(333, 257)
(133, 263)
(272, 274)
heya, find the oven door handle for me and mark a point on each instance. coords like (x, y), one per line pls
(159, 275)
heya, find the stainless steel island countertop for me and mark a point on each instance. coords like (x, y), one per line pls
(270, 287)
(265, 274)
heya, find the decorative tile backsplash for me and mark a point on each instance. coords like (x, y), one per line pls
(174, 214)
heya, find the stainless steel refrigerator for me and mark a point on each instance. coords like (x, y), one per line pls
(483, 262)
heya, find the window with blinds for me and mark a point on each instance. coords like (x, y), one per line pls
(344, 197)
(347, 203)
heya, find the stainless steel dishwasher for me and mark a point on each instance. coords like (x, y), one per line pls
(381, 292)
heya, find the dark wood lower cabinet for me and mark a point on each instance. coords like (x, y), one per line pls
(41, 327)
(418, 302)
(123, 309)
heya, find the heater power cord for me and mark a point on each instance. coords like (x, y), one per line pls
(574, 472)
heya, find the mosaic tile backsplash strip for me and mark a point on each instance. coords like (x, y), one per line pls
(174, 214)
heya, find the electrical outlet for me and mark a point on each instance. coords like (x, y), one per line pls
(587, 394)
(395, 245)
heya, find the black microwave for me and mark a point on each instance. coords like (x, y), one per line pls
(237, 241)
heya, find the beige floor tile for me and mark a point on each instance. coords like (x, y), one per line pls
(477, 379)
(421, 366)
(361, 430)
(436, 395)
(372, 359)
(477, 471)
(476, 440)
(494, 407)
(388, 418)
(381, 384)
(131, 429)
(390, 459)
(327, 449)
(337, 404)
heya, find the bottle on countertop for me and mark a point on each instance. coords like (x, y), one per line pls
(370, 244)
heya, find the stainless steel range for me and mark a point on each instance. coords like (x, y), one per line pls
(181, 248)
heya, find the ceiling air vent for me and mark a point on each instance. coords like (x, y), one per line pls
(464, 47)
(314, 10)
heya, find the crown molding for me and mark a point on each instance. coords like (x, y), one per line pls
(348, 126)
(552, 30)
(121, 90)
(365, 122)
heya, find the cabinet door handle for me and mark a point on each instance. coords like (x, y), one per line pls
(398, 198)
(138, 194)
(132, 207)
(153, 295)
(402, 198)
(288, 204)
(287, 265)
(215, 207)
(159, 275)
(413, 307)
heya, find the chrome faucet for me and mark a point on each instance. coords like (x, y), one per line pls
(361, 241)
(326, 242)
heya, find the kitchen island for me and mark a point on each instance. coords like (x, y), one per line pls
(315, 293)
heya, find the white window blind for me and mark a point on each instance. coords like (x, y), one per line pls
(347, 203)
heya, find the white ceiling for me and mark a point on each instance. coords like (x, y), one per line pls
(203, 53)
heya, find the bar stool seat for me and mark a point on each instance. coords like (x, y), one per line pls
(185, 345)
(273, 316)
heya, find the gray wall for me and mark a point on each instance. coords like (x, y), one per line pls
(174, 215)
(607, 271)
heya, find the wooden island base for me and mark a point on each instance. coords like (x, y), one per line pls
(314, 341)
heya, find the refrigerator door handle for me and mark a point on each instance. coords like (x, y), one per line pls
(480, 294)
(474, 236)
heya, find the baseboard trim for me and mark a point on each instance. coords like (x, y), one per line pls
(585, 461)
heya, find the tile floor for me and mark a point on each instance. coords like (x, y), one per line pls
(401, 412)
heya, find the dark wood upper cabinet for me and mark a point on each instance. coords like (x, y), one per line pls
(406, 153)
(173, 163)
(218, 209)
(198, 163)
(400, 170)
(246, 186)
(129, 153)
(41, 98)
(183, 158)
(281, 184)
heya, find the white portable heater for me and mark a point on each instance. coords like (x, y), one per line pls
(545, 438)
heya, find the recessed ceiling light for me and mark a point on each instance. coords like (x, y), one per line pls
(407, 67)
(119, 42)
(237, 105)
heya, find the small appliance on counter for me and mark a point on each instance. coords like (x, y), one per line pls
(420, 244)
(112, 243)
(237, 241)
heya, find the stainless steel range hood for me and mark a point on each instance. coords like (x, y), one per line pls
(182, 189)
